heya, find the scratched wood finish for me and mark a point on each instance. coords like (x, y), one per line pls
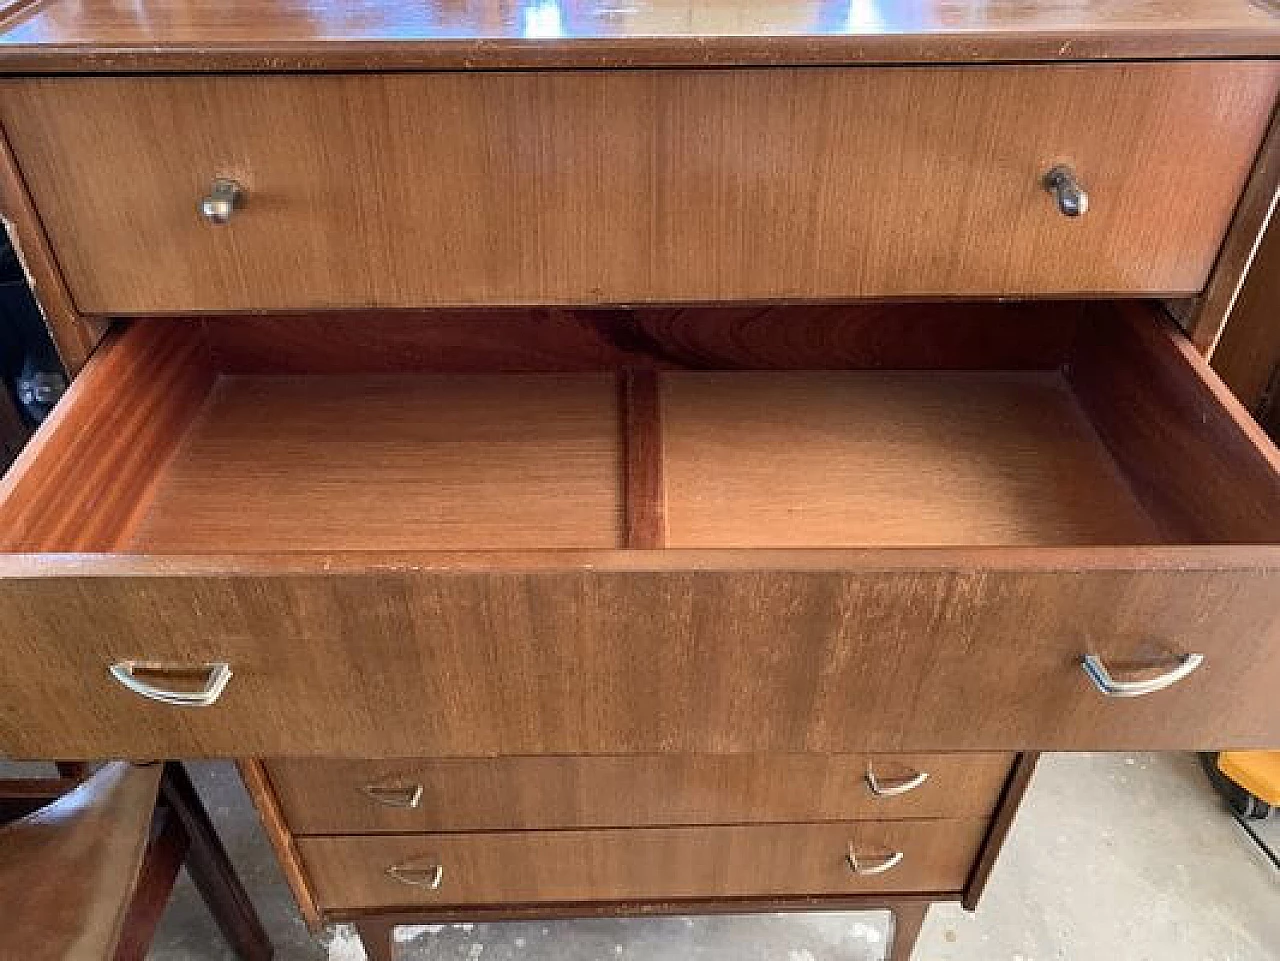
(62, 35)
(866, 458)
(393, 462)
(656, 863)
(523, 793)
(631, 186)
(683, 652)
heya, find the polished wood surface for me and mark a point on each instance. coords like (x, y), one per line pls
(73, 335)
(754, 652)
(522, 793)
(155, 381)
(656, 863)
(399, 461)
(631, 186)
(392, 34)
(910, 459)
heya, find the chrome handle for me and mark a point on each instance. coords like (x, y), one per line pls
(891, 788)
(1108, 685)
(1068, 193)
(221, 202)
(215, 677)
(429, 877)
(395, 795)
(864, 869)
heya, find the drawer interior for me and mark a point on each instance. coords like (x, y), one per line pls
(746, 427)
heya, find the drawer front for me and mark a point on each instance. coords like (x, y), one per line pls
(465, 794)
(641, 863)
(629, 186)
(768, 657)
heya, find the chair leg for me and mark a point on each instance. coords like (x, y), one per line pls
(160, 866)
(379, 945)
(211, 870)
(908, 917)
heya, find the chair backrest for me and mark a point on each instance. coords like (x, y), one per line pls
(68, 870)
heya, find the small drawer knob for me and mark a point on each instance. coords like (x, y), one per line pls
(887, 787)
(221, 202)
(1068, 193)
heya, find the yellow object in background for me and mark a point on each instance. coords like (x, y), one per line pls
(1258, 772)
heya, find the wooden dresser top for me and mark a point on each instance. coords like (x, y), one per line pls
(55, 36)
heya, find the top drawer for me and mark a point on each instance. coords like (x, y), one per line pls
(629, 186)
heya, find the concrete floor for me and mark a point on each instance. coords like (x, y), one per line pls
(1112, 858)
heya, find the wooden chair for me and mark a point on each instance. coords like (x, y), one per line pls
(86, 876)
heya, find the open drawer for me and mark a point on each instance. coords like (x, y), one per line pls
(946, 527)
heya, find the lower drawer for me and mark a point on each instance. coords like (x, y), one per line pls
(390, 871)
(461, 794)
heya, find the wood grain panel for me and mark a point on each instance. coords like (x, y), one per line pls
(61, 35)
(391, 462)
(1204, 469)
(328, 797)
(668, 651)
(80, 484)
(554, 866)
(860, 459)
(1248, 355)
(603, 187)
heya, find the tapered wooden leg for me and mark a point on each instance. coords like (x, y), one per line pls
(211, 870)
(379, 944)
(908, 917)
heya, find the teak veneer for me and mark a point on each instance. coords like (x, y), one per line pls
(586, 461)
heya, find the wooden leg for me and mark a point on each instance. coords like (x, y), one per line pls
(160, 866)
(211, 870)
(908, 917)
(379, 944)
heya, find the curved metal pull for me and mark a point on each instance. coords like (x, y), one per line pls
(1068, 193)
(429, 877)
(215, 677)
(221, 201)
(1108, 685)
(892, 788)
(395, 795)
(867, 868)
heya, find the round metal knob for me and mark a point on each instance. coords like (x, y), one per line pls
(1068, 193)
(222, 200)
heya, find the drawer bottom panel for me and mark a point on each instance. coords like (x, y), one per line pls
(525, 867)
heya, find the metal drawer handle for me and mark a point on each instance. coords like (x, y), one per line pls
(429, 877)
(864, 869)
(395, 795)
(1108, 685)
(216, 675)
(1068, 193)
(891, 788)
(221, 202)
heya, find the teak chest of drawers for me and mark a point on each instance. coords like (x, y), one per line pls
(586, 461)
